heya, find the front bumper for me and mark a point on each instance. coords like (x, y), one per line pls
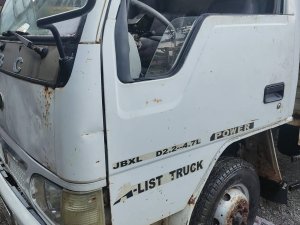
(21, 215)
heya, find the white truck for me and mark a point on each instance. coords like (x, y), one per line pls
(139, 112)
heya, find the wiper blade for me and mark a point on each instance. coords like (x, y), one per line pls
(29, 44)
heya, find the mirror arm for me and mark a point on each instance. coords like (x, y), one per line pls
(57, 38)
(65, 62)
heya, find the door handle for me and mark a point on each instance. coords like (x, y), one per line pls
(274, 93)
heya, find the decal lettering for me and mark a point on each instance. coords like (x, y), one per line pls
(127, 162)
(232, 131)
(159, 153)
(159, 181)
(17, 65)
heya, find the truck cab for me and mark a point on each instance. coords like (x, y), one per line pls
(143, 112)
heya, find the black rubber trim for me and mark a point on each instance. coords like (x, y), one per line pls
(104, 112)
(30, 79)
(103, 101)
(186, 49)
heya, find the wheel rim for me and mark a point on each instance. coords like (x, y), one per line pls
(233, 207)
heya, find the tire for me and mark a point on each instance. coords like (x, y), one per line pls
(231, 179)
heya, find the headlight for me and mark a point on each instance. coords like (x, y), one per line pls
(47, 197)
(65, 207)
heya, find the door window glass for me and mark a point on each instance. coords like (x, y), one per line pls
(160, 32)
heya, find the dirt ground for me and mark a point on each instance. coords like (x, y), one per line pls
(275, 213)
(284, 214)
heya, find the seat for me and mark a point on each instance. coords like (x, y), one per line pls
(134, 59)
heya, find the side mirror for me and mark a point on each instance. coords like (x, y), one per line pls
(71, 14)
(66, 62)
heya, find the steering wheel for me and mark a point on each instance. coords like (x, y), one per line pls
(154, 13)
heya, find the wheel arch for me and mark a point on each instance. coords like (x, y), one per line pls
(229, 149)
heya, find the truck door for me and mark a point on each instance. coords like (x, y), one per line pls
(181, 83)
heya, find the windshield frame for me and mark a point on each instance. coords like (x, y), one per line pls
(40, 39)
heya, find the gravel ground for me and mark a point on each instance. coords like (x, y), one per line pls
(284, 214)
(275, 213)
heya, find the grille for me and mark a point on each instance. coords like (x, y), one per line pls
(17, 171)
(5, 216)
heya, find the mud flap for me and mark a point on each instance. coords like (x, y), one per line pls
(274, 191)
(288, 140)
(261, 152)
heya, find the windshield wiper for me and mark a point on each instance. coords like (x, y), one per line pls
(29, 44)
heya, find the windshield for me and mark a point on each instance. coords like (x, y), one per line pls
(18, 14)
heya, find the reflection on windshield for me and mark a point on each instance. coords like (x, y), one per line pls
(16, 13)
(170, 47)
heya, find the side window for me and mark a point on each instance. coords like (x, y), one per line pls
(1, 4)
(160, 32)
(170, 47)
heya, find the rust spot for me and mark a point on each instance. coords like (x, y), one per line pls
(265, 169)
(156, 100)
(259, 152)
(239, 212)
(47, 95)
(192, 200)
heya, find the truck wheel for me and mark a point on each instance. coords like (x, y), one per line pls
(230, 196)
